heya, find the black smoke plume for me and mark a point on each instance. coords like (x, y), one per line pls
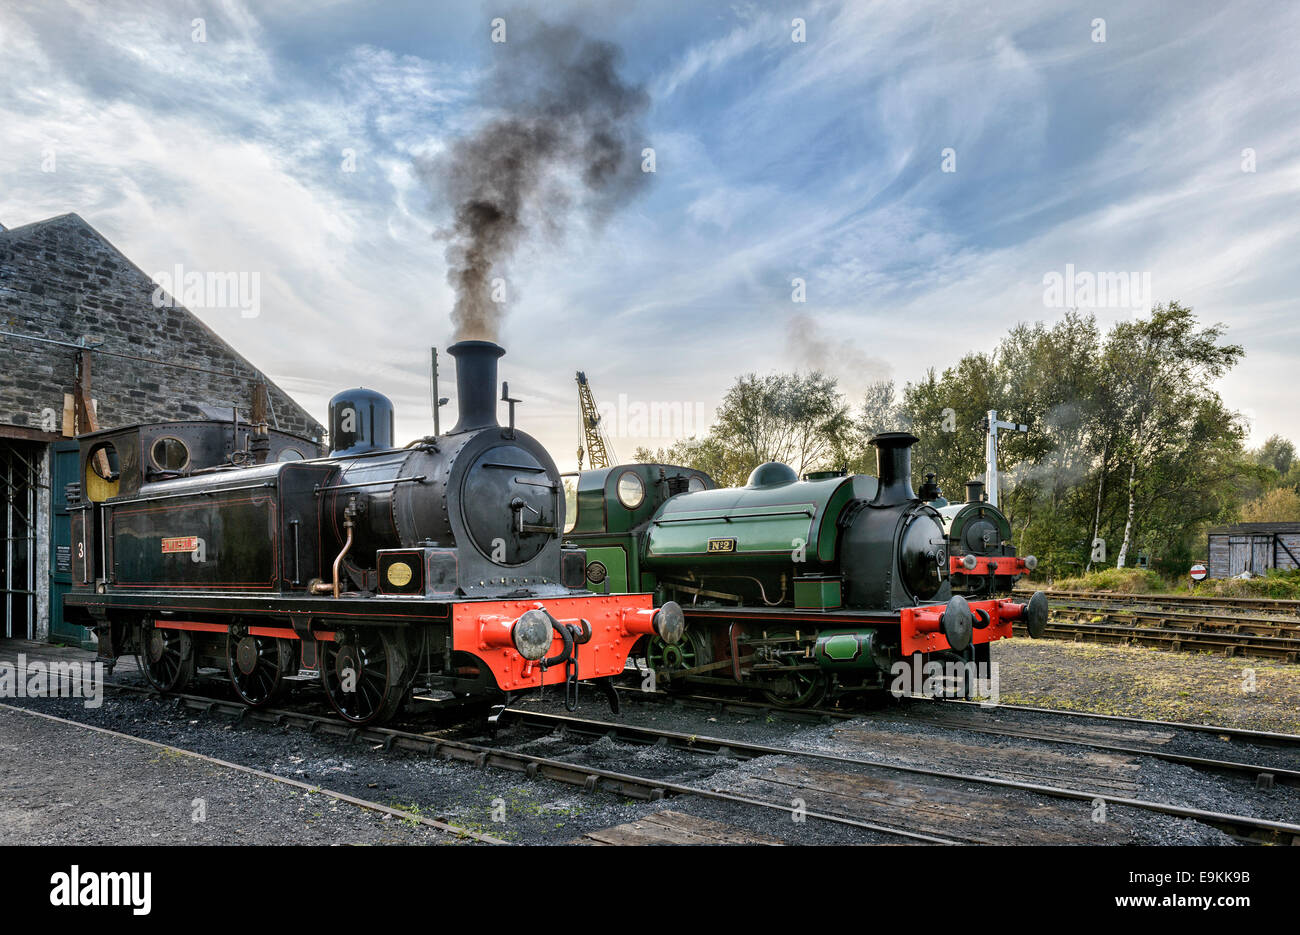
(563, 141)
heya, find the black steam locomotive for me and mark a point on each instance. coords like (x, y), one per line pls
(377, 569)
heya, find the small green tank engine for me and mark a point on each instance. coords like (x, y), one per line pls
(798, 586)
(981, 559)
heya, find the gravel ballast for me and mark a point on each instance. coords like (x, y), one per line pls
(509, 806)
(60, 784)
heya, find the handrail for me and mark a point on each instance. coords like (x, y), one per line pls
(189, 493)
(727, 518)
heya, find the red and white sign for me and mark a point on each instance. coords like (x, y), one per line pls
(1199, 572)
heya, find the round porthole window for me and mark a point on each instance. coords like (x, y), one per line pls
(289, 454)
(631, 490)
(695, 485)
(170, 454)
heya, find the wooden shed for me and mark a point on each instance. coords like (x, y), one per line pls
(1253, 547)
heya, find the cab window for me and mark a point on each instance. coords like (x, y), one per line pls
(103, 474)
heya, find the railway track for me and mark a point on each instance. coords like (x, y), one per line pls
(1194, 601)
(1262, 774)
(1240, 734)
(592, 778)
(1177, 623)
(1229, 644)
(1068, 734)
(735, 704)
(1241, 827)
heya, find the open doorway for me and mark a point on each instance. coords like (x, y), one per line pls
(19, 489)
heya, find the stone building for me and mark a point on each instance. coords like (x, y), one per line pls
(84, 346)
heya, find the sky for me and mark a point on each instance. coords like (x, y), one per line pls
(914, 172)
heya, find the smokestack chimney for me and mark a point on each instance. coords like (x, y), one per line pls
(476, 384)
(974, 491)
(894, 467)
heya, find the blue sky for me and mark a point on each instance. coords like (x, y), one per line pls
(821, 160)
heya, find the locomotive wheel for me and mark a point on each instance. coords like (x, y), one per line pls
(799, 688)
(365, 675)
(691, 650)
(257, 665)
(166, 657)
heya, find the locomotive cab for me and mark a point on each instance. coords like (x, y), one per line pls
(612, 506)
(118, 462)
(124, 463)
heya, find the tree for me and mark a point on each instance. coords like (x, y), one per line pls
(879, 411)
(1129, 439)
(706, 454)
(798, 419)
(1277, 453)
(793, 418)
(1040, 375)
(1292, 478)
(1051, 381)
(1279, 505)
(945, 412)
(1067, 481)
(1159, 369)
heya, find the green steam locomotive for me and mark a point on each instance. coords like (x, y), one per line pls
(800, 587)
(981, 557)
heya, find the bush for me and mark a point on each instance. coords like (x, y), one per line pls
(1121, 580)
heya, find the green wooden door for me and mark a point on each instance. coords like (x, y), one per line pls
(63, 471)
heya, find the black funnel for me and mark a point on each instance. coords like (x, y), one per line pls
(476, 384)
(974, 491)
(894, 467)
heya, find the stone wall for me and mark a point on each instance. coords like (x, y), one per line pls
(61, 280)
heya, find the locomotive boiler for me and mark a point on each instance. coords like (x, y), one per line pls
(378, 570)
(798, 586)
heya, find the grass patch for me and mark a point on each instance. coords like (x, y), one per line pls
(1119, 580)
(1275, 583)
(1144, 682)
(167, 755)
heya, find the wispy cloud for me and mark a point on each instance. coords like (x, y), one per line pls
(776, 160)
